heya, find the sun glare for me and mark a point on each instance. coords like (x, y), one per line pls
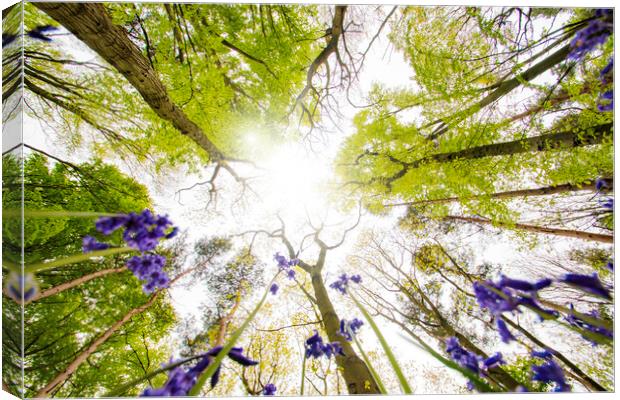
(294, 180)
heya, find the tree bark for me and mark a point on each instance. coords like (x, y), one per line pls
(551, 141)
(91, 23)
(503, 88)
(598, 237)
(75, 282)
(356, 374)
(542, 191)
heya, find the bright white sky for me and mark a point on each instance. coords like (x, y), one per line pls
(294, 184)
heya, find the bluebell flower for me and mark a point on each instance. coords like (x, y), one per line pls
(35, 33)
(149, 268)
(180, 382)
(492, 300)
(587, 283)
(608, 68)
(607, 104)
(523, 285)
(610, 266)
(348, 327)
(464, 358)
(343, 282)
(107, 225)
(574, 320)
(142, 231)
(549, 372)
(494, 361)
(282, 261)
(600, 184)
(608, 203)
(40, 31)
(269, 389)
(286, 265)
(504, 333)
(8, 38)
(596, 32)
(274, 288)
(20, 286)
(316, 348)
(544, 354)
(89, 244)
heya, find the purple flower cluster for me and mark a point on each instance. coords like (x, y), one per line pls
(601, 184)
(550, 371)
(38, 33)
(286, 265)
(180, 382)
(574, 320)
(597, 32)
(506, 296)
(21, 286)
(149, 268)
(467, 359)
(544, 354)
(607, 101)
(315, 347)
(587, 283)
(143, 232)
(343, 282)
(349, 328)
(89, 244)
(274, 289)
(608, 203)
(269, 389)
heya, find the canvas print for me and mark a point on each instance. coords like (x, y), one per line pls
(230, 199)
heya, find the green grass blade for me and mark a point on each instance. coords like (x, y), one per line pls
(481, 385)
(373, 372)
(388, 352)
(303, 375)
(202, 379)
(17, 213)
(119, 390)
(41, 266)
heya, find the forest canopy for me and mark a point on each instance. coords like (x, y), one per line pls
(304, 199)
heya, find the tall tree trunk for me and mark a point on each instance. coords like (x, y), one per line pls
(501, 89)
(225, 322)
(550, 141)
(91, 23)
(598, 237)
(542, 191)
(75, 282)
(356, 374)
(581, 376)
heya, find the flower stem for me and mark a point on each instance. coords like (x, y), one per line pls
(41, 266)
(217, 360)
(370, 367)
(16, 212)
(388, 352)
(303, 375)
